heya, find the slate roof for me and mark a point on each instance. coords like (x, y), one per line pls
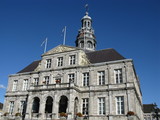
(99, 56)
(105, 55)
(148, 108)
(30, 67)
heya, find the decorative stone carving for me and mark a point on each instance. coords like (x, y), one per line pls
(83, 59)
(38, 67)
(59, 49)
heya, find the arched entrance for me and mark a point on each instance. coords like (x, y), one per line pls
(49, 105)
(35, 106)
(63, 104)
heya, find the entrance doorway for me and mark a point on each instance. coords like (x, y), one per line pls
(49, 104)
(63, 104)
(35, 106)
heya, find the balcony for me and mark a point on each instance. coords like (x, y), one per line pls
(51, 86)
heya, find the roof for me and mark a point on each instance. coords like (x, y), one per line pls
(93, 56)
(30, 67)
(105, 55)
(148, 108)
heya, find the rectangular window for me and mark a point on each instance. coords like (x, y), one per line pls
(21, 107)
(15, 83)
(85, 106)
(46, 80)
(101, 77)
(48, 63)
(11, 107)
(60, 61)
(71, 77)
(101, 103)
(118, 76)
(36, 81)
(25, 84)
(86, 79)
(72, 59)
(120, 105)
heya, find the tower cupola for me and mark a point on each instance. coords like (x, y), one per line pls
(86, 38)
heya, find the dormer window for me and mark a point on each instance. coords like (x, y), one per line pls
(48, 63)
(60, 61)
(72, 59)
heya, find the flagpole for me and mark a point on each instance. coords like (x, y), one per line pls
(45, 45)
(64, 39)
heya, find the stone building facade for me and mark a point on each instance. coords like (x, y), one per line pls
(100, 84)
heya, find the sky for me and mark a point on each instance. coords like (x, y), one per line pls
(132, 27)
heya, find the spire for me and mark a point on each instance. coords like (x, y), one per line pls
(86, 38)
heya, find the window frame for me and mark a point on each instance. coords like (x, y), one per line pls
(118, 75)
(25, 84)
(11, 107)
(85, 106)
(120, 109)
(15, 85)
(101, 77)
(36, 81)
(60, 61)
(48, 63)
(86, 79)
(72, 59)
(101, 106)
(71, 77)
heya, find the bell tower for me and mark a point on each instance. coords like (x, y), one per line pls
(86, 38)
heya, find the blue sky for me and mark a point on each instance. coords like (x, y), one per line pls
(132, 27)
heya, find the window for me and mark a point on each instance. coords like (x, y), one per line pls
(25, 84)
(71, 77)
(11, 106)
(36, 81)
(82, 44)
(60, 61)
(86, 79)
(48, 63)
(21, 107)
(118, 75)
(85, 106)
(72, 59)
(89, 44)
(101, 77)
(120, 105)
(15, 83)
(101, 105)
(46, 80)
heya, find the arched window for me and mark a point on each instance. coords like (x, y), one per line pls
(49, 104)
(63, 104)
(81, 44)
(35, 106)
(88, 24)
(85, 23)
(89, 43)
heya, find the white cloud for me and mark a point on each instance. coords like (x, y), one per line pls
(2, 86)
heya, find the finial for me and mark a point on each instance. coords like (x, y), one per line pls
(86, 6)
